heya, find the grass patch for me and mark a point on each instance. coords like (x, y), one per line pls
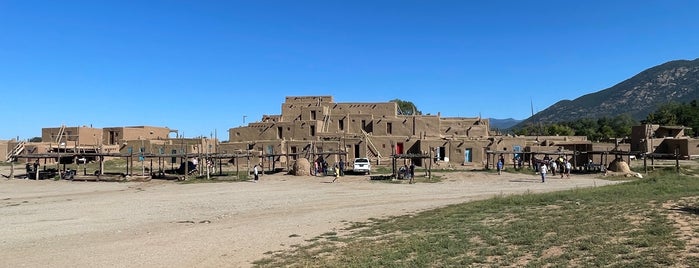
(622, 225)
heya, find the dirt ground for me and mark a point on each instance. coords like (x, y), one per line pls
(166, 224)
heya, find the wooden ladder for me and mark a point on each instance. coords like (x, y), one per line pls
(326, 122)
(61, 131)
(16, 151)
(372, 148)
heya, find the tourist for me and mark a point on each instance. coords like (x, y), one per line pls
(256, 172)
(568, 168)
(499, 164)
(336, 170)
(412, 170)
(543, 170)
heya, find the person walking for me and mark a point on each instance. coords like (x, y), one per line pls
(336, 170)
(412, 170)
(568, 168)
(500, 164)
(256, 172)
(542, 170)
(342, 167)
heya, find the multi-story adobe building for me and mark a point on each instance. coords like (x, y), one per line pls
(316, 125)
(312, 126)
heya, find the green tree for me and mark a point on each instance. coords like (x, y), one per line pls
(35, 139)
(559, 129)
(406, 107)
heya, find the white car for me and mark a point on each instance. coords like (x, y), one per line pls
(362, 165)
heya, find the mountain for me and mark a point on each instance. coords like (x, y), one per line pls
(503, 123)
(674, 81)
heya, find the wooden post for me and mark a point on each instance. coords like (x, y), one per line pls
(101, 165)
(128, 159)
(487, 160)
(645, 164)
(393, 168)
(237, 167)
(287, 156)
(12, 169)
(677, 159)
(429, 170)
(220, 166)
(58, 163)
(186, 165)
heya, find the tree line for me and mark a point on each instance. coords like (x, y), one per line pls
(669, 114)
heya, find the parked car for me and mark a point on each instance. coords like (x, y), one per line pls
(362, 165)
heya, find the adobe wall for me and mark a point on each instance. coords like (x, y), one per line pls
(253, 132)
(427, 126)
(82, 135)
(455, 151)
(167, 147)
(147, 132)
(4, 149)
(300, 107)
(394, 126)
(116, 135)
(461, 126)
(668, 146)
(378, 109)
(638, 136)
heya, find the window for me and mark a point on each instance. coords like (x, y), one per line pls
(389, 128)
(313, 131)
(341, 124)
(279, 132)
(173, 159)
(313, 115)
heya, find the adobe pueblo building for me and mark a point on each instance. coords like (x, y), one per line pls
(316, 126)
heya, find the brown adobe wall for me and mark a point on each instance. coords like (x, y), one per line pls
(253, 132)
(145, 132)
(83, 135)
(4, 149)
(308, 99)
(467, 127)
(668, 146)
(299, 108)
(427, 126)
(397, 126)
(377, 109)
(455, 151)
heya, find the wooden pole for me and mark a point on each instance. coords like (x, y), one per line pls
(645, 163)
(429, 169)
(677, 159)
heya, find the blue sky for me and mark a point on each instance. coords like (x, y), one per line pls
(201, 66)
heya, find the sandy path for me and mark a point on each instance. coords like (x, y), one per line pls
(165, 224)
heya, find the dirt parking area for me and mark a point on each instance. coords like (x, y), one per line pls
(167, 224)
